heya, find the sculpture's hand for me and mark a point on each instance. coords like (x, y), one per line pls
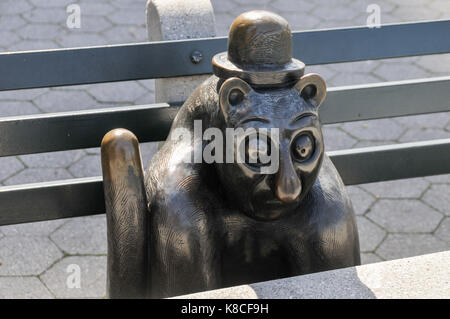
(126, 212)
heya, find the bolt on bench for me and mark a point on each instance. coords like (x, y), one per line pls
(166, 59)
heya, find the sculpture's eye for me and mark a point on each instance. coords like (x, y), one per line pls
(303, 147)
(257, 152)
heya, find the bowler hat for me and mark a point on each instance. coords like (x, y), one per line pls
(259, 51)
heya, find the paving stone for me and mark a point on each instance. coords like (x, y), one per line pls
(239, 9)
(223, 23)
(362, 144)
(370, 235)
(443, 231)
(438, 196)
(23, 256)
(117, 92)
(94, 24)
(405, 3)
(387, 17)
(35, 175)
(325, 71)
(78, 39)
(88, 166)
(32, 229)
(403, 188)
(397, 246)
(51, 3)
(352, 79)
(9, 166)
(40, 31)
(125, 34)
(336, 139)
(148, 84)
(92, 277)
(27, 45)
(361, 200)
(86, 235)
(220, 6)
(424, 121)
(416, 13)
(10, 7)
(364, 67)
(333, 3)
(8, 38)
(406, 216)
(8, 23)
(440, 5)
(400, 71)
(343, 23)
(423, 134)
(435, 63)
(148, 98)
(14, 108)
(93, 151)
(293, 5)
(95, 8)
(300, 21)
(128, 4)
(23, 288)
(336, 13)
(440, 179)
(385, 129)
(47, 15)
(60, 101)
(61, 159)
(127, 16)
(369, 258)
(22, 95)
(385, 6)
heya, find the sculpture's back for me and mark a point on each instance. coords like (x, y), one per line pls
(265, 204)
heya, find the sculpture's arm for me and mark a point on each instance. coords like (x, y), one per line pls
(127, 215)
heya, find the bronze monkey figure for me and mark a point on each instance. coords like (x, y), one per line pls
(186, 225)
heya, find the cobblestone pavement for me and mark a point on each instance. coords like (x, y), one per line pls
(395, 219)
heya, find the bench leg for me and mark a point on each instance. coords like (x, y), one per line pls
(127, 215)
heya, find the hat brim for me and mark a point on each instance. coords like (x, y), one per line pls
(266, 75)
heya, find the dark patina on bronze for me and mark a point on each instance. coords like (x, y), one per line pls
(187, 226)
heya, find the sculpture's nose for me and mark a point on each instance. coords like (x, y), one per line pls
(288, 185)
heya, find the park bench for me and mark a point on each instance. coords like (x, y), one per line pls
(78, 197)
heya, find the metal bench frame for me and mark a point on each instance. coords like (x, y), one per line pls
(84, 129)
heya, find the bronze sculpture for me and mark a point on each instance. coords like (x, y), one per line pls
(188, 225)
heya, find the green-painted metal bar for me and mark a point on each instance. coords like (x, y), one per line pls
(85, 129)
(57, 67)
(54, 200)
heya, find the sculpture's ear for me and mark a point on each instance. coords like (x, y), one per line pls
(312, 87)
(231, 93)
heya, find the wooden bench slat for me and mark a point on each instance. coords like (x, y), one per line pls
(124, 62)
(85, 129)
(81, 197)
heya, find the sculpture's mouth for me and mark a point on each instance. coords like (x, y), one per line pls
(271, 208)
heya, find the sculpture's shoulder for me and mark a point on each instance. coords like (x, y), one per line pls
(329, 194)
(201, 104)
